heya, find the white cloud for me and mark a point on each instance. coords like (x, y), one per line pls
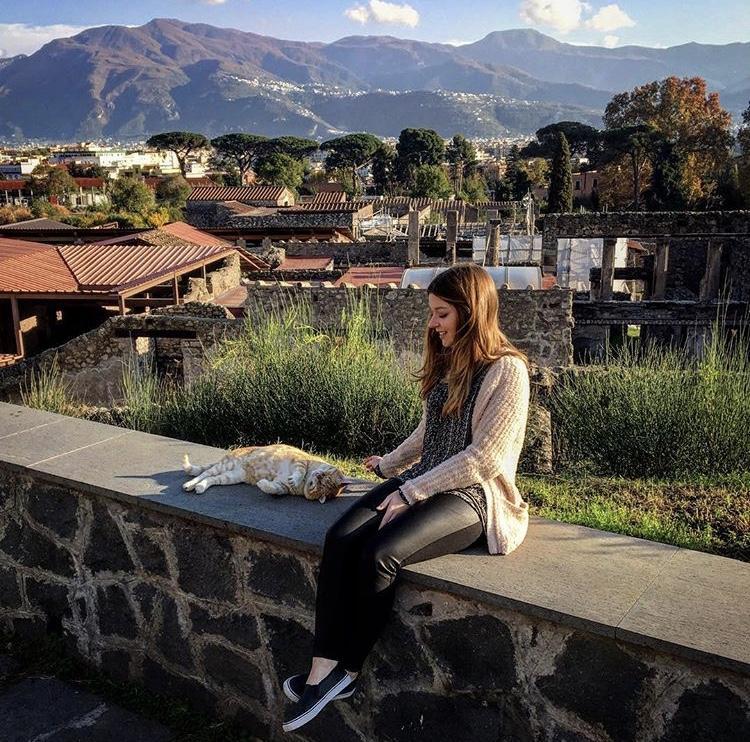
(610, 41)
(378, 11)
(20, 38)
(562, 15)
(610, 18)
(213, 2)
(568, 15)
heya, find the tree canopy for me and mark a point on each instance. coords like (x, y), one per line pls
(130, 194)
(182, 143)
(239, 151)
(279, 168)
(351, 151)
(462, 157)
(431, 181)
(560, 199)
(417, 147)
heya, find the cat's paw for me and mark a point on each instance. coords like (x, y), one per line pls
(188, 486)
(201, 487)
(264, 485)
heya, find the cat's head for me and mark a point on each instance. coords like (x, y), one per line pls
(325, 483)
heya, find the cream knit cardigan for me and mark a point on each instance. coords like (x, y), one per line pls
(498, 427)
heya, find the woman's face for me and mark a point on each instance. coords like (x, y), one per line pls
(443, 319)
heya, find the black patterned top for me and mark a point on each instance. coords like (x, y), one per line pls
(445, 437)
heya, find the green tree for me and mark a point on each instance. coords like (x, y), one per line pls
(296, 147)
(667, 191)
(743, 161)
(431, 181)
(462, 157)
(384, 169)
(474, 189)
(584, 141)
(560, 200)
(239, 152)
(173, 191)
(52, 181)
(281, 169)
(634, 144)
(417, 147)
(132, 195)
(182, 143)
(350, 152)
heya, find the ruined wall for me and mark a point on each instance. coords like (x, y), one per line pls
(219, 618)
(687, 255)
(539, 322)
(92, 363)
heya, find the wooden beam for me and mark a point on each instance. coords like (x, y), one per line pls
(17, 326)
(175, 289)
(660, 270)
(710, 283)
(608, 268)
(140, 301)
(121, 304)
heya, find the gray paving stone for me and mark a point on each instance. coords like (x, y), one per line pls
(47, 709)
(16, 418)
(591, 577)
(27, 447)
(149, 467)
(698, 602)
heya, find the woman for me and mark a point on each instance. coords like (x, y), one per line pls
(475, 397)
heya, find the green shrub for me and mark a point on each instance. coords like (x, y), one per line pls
(658, 411)
(46, 388)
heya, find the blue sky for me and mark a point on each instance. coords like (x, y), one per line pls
(25, 26)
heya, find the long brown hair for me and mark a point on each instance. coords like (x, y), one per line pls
(478, 340)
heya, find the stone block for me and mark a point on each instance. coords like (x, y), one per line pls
(33, 549)
(709, 712)
(233, 673)
(106, 550)
(172, 641)
(290, 646)
(476, 651)
(247, 720)
(423, 716)
(10, 595)
(205, 564)
(145, 597)
(399, 655)
(150, 554)
(115, 614)
(170, 686)
(281, 577)
(54, 508)
(238, 628)
(598, 681)
(52, 598)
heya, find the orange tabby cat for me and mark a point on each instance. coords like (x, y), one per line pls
(277, 469)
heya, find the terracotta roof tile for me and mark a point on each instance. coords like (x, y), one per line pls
(31, 267)
(362, 274)
(243, 194)
(298, 262)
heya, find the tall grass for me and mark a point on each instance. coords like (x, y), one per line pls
(659, 411)
(46, 388)
(342, 390)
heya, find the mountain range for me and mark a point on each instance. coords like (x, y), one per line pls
(125, 82)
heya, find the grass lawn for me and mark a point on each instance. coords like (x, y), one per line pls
(706, 514)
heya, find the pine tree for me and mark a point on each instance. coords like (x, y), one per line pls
(561, 179)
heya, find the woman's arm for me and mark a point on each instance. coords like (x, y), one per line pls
(504, 418)
(408, 452)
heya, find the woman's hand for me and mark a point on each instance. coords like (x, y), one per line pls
(393, 506)
(371, 462)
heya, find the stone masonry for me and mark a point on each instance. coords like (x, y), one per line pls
(218, 618)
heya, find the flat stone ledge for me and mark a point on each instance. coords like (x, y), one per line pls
(682, 602)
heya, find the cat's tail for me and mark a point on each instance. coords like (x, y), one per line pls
(191, 469)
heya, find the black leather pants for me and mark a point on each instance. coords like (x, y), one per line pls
(360, 564)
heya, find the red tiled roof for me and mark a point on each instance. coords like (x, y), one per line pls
(329, 197)
(334, 187)
(13, 185)
(344, 208)
(89, 182)
(180, 231)
(38, 223)
(31, 267)
(116, 267)
(237, 193)
(298, 262)
(362, 274)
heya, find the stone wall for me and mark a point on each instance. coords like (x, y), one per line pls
(217, 281)
(350, 253)
(539, 322)
(92, 363)
(217, 617)
(687, 254)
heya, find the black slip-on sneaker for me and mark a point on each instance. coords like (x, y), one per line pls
(315, 697)
(295, 686)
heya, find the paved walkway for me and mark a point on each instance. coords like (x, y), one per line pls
(45, 709)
